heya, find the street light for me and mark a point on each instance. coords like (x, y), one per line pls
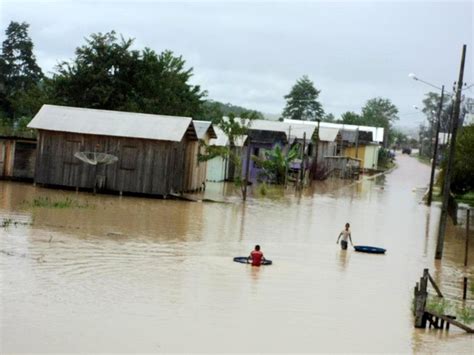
(414, 77)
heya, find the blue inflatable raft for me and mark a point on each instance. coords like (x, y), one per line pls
(369, 249)
(244, 260)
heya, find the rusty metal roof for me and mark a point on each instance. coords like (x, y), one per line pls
(112, 123)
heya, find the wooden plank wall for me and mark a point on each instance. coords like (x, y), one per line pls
(24, 160)
(196, 171)
(143, 166)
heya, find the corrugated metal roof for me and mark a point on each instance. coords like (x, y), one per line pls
(203, 127)
(111, 123)
(377, 132)
(328, 134)
(222, 140)
(295, 131)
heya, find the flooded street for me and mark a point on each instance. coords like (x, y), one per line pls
(130, 274)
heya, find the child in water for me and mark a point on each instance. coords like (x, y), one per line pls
(346, 234)
(256, 256)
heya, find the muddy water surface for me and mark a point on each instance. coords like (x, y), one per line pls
(144, 275)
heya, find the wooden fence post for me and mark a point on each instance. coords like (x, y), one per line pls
(421, 295)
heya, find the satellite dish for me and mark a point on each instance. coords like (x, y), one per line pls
(96, 158)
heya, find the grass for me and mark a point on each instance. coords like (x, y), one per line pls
(466, 198)
(439, 305)
(46, 202)
(464, 313)
(423, 159)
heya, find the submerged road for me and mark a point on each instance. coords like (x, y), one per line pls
(143, 275)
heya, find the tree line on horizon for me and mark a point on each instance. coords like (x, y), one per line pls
(106, 73)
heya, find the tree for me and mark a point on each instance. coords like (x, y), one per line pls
(463, 172)
(329, 117)
(276, 163)
(18, 69)
(214, 111)
(107, 74)
(350, 117)
(431, 107)
(380, 112)
(302, 103)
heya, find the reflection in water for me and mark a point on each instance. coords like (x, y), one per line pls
(343, 259)
(140, 275)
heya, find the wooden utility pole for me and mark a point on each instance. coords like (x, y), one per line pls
(466, 252)
(286, 160)
(449, 166)
(247, 169)
(435, 149)
(357, 143)
(302, 168)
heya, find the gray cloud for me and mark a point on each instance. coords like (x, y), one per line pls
(251, 53)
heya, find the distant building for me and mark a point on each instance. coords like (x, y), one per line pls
(196, 169)
(17, 157)
(152, 150)
(217, 167)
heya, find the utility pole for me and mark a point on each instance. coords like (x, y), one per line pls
(449, 166)
(435, 150)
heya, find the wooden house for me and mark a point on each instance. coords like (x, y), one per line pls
(152, 150)
(196, 169)
(360, 145)
(258, 141)
(17, 157)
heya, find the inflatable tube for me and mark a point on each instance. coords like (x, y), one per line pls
(243, 260)
(369, 249)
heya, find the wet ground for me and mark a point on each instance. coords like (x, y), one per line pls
(128, 274)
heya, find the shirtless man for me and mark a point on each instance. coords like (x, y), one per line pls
(345, 234)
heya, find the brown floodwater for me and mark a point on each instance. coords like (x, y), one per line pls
(132, 274)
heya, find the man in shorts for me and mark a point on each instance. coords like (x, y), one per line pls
(345, 234)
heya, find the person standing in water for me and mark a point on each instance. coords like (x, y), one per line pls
(256, 256)
(345, 234)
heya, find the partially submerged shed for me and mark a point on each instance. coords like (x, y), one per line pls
(196, 169)
(17, 157)
(151, 149)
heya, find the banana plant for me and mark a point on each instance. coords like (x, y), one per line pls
(275, 163)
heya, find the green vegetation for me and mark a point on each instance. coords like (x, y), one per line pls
(378, 112)
(106, 73)
(275, 164)
(385, 159)
(302, 101)
(46, 202)
(466, 198)
(465, 314)
(423, 159)
(463, 171)
(439, 305)
(20, 76)
(214, 111)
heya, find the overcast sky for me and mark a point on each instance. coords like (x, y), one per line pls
(250, 53)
